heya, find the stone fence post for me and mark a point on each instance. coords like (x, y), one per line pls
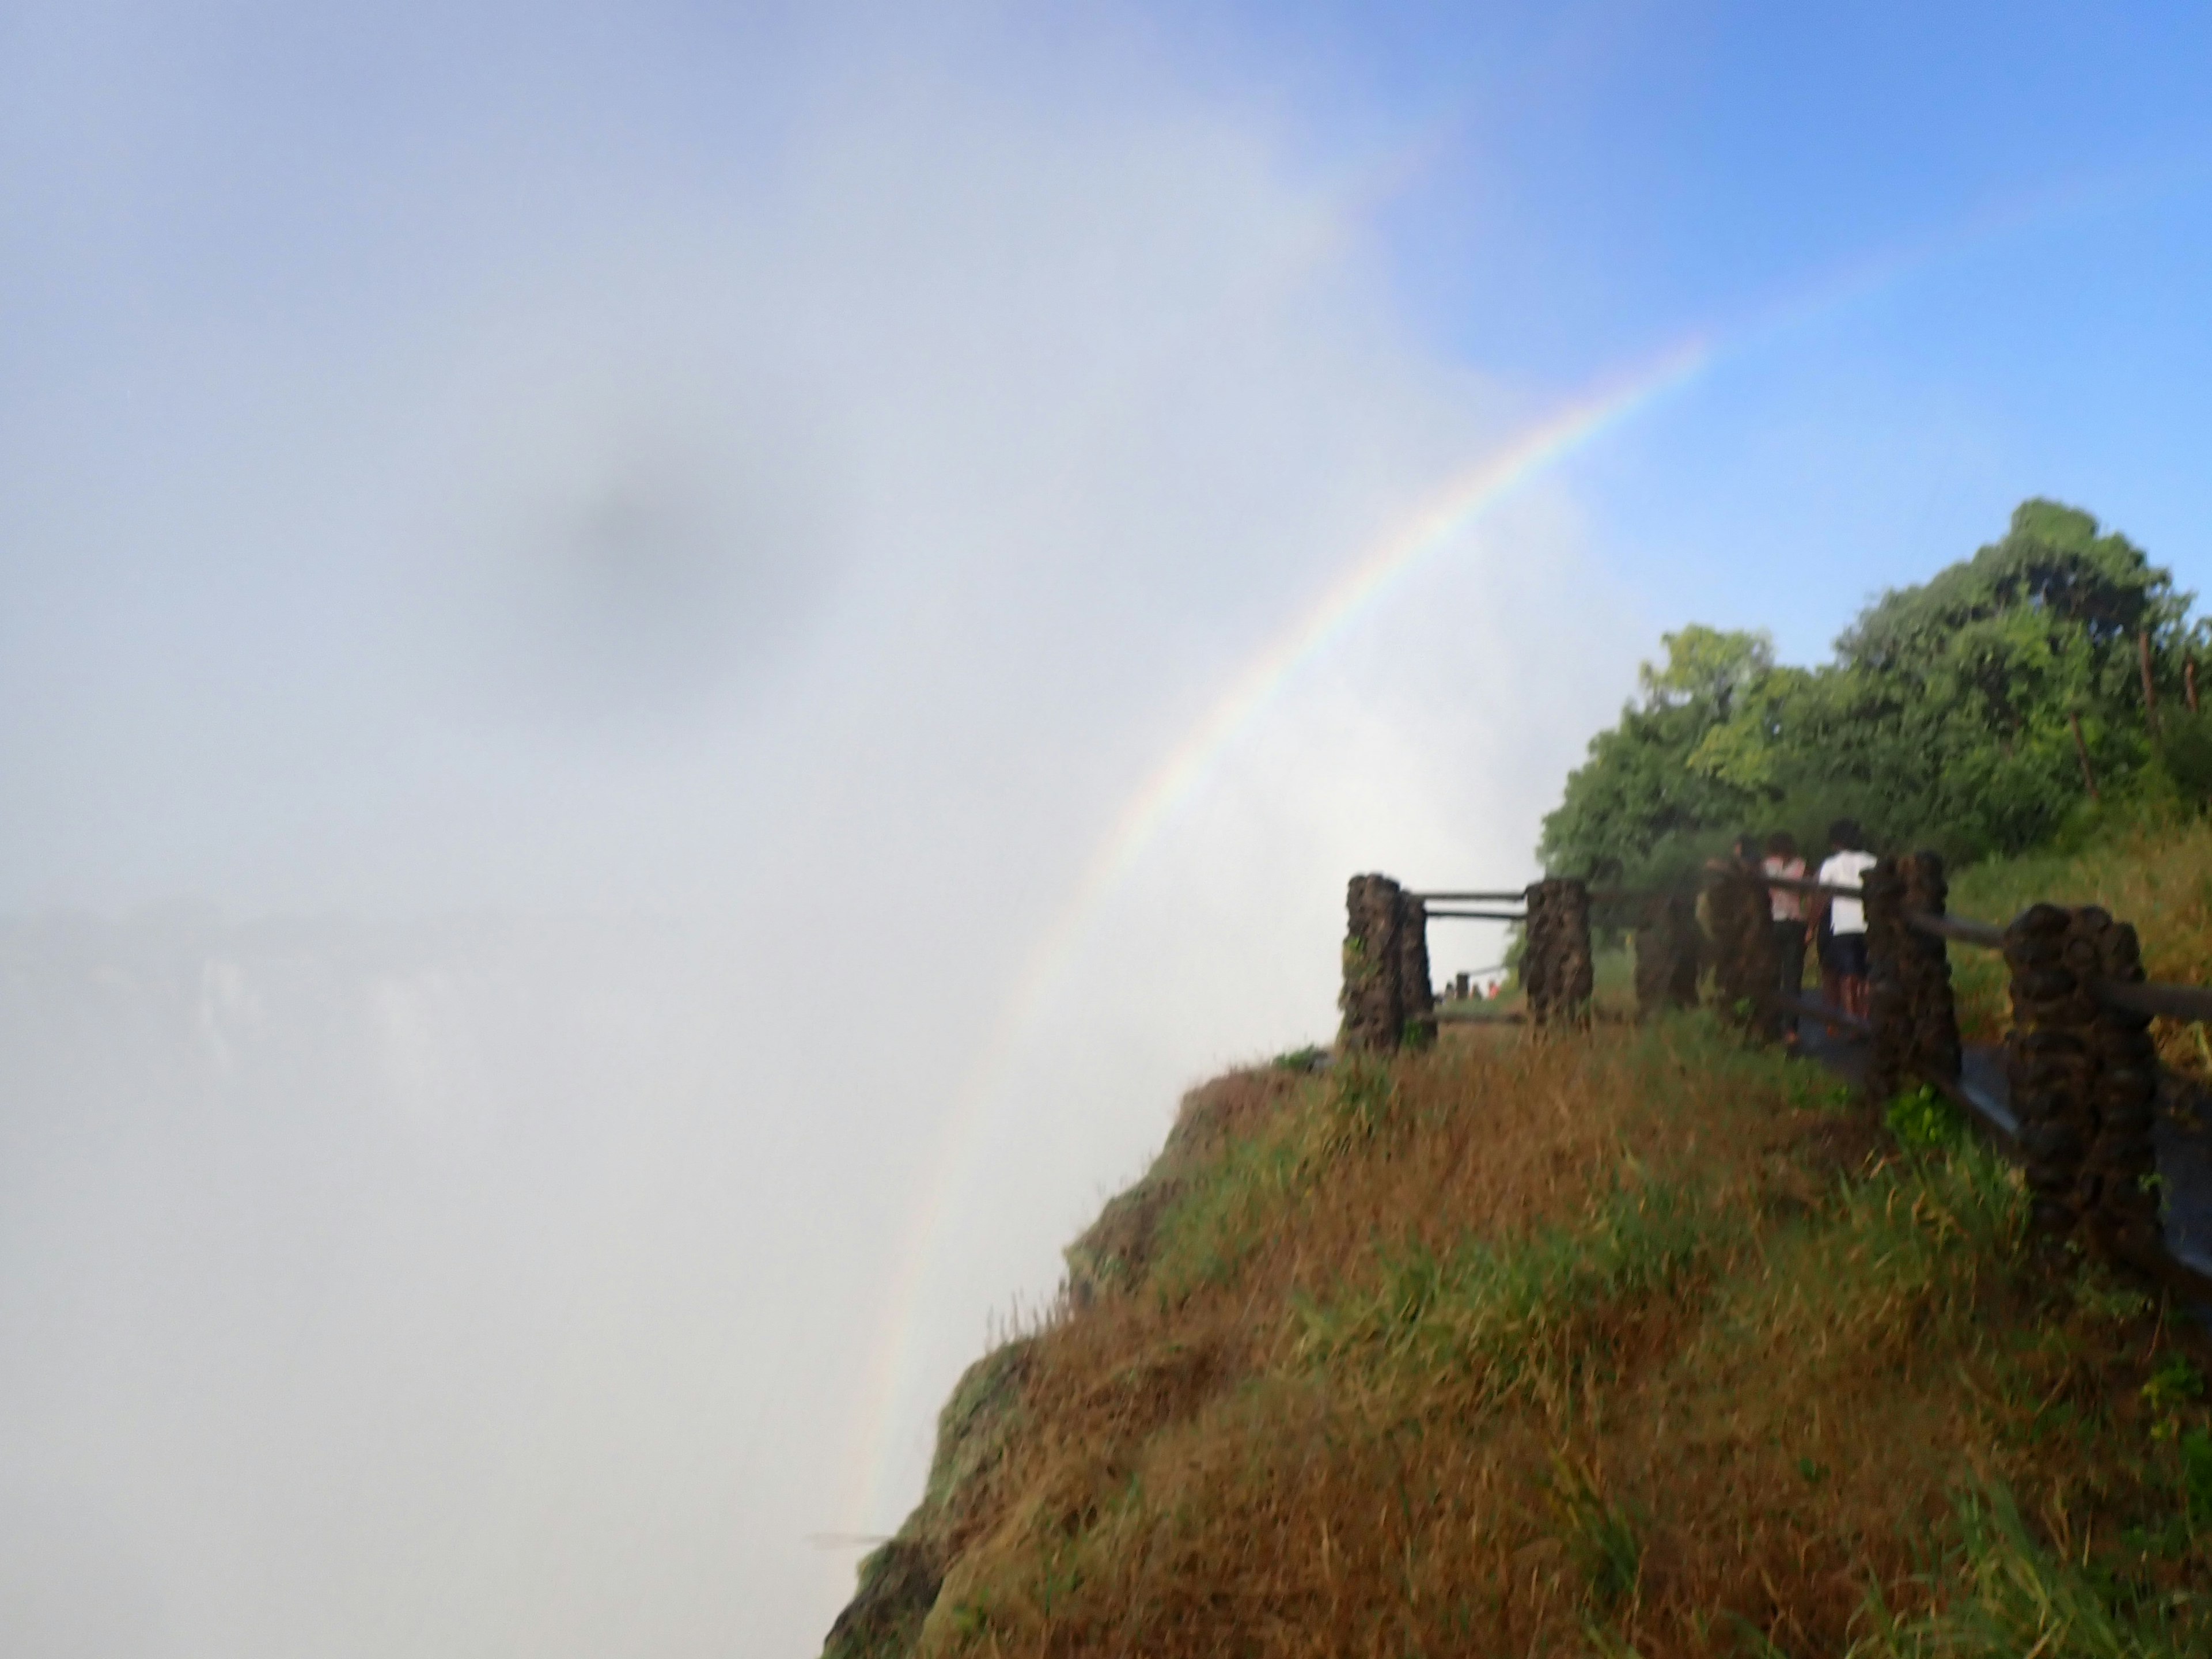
(2084, 1079)
(1536, 945)
(1417, 995)
(1916, 1025)
(1387, 1000)
(1745, 973)
(1889, 1002)
(1555, 962)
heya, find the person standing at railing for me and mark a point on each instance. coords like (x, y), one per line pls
(1742, 855)
(1848, 860)
(1787, 907)
(1742, 858)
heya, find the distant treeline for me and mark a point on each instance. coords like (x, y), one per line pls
(1948, 717)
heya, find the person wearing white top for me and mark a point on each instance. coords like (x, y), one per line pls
(1847, 862)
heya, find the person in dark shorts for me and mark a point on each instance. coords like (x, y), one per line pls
(1848, 860)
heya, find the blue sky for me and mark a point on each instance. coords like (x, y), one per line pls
(1595, 179)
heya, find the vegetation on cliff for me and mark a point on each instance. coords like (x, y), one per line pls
(1636, 1343)
(1639, 1342)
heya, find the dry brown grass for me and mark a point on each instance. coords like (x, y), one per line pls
(1625, 1343)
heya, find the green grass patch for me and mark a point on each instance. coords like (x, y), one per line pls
(1923, 1121)
(1525, 1316)
(2000, 1594)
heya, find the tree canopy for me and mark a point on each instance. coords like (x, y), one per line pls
(1946, 719)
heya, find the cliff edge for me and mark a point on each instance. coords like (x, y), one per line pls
(1635, 1342)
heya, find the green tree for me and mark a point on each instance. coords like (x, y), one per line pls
(1637, 808)
(1946, 718)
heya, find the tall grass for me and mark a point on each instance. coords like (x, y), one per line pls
(2002, 1595)
(1520, 1316)
(2156, 875)
(1622, 1344)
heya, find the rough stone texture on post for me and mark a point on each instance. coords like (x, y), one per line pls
(1555, 963)
(2121, 1204)
(1386, 998)
(2084, 1079)
(2049, 1062)
(1417, 996)
(1923, 972)
(1890, 1070)
(1668, 950)
(1745, 973)
(1373, 1020)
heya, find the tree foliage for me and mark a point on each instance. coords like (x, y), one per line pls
(1946, 719)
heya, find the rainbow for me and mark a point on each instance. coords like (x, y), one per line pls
(1429, 531)
(1435, 526)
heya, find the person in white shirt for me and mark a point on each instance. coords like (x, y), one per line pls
(1848, 860)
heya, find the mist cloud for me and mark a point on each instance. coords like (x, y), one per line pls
(670, 557)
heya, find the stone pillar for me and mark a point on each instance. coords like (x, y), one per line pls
(2084, 1079)
(1924, 965)
(1556, 965)
(1417, 996)
(1744, 972)
(1578, 973)
(2049, 1063)
(1536, 954)
(1916, 1024)
(1386, 998)
(1889, 1005)
(1372, 1017)
(2122, 1210)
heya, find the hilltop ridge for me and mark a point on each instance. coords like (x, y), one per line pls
(1643, 1340)
(1633, 1342)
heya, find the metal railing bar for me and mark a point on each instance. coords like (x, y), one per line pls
(2189, 1278)
(2169, 1002)
(1791, 883)
(1631, 895)
(2185, 1002)
(1955, 1090)
(1961, 928)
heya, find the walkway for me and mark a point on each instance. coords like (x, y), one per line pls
(2182, 1132)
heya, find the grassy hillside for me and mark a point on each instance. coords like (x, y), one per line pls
(1631, 1343)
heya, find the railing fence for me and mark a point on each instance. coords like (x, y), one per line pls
(2079, 1066)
